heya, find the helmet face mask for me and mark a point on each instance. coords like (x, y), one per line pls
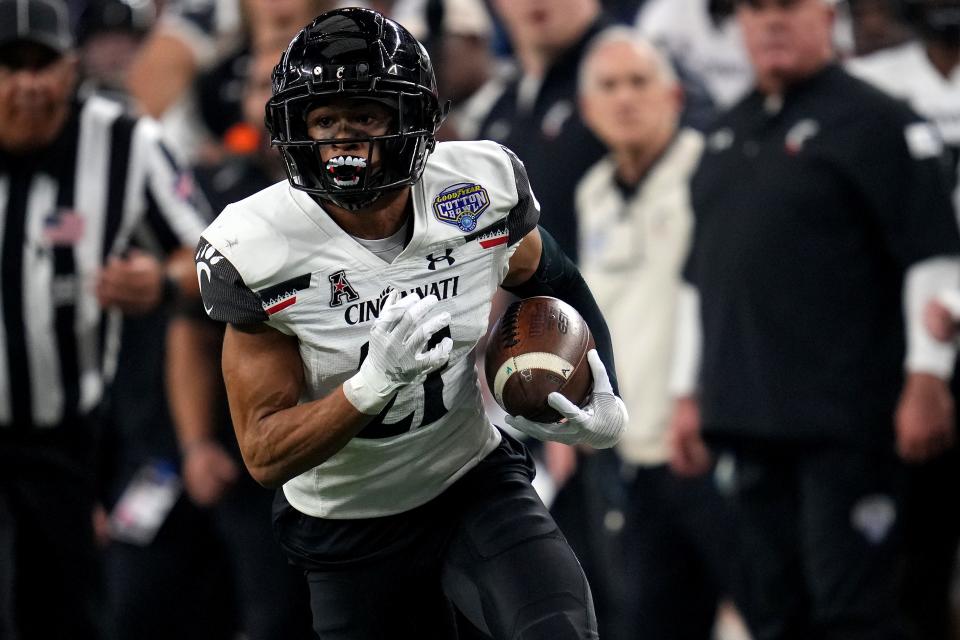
(354, 54)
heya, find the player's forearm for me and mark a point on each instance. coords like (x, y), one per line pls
(558, 277)
(280, 438)
(281, 445)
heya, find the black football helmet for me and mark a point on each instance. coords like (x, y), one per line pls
(354, 53)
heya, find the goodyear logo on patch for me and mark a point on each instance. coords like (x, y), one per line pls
(461, 204)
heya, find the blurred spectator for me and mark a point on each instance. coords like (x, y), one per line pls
(202, 48)
(705, 44)
(634, 223)
(211, 37)
(802, 383)
(147, 596)
(622, 11)
(926, 74)
(250, 163)
(535, 112)
(144, 567)
(75, 179)
(532, 110)
(878, 24)
(109, 34)
(195, 35)
(463, 57)
(457, 35)
(219, 532)
(165, 580)
(702, 37)
(271, 599)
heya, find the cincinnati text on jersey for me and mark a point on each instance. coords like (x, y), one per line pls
(368, 310)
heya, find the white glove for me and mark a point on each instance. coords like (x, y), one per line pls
(599, 424)
(396, 355)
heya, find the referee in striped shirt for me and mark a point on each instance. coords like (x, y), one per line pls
(77, 181)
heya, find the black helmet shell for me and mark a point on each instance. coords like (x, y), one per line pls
(355, 53)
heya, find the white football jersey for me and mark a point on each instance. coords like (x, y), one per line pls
(278, 258)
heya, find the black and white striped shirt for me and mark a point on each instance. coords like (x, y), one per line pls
(63, 211)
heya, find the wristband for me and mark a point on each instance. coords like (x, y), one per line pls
(363, 397)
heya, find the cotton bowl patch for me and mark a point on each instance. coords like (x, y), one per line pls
(461, 204)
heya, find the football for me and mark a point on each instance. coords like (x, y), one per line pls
(539, 345)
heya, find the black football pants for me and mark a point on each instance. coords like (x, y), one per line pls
(494, 553)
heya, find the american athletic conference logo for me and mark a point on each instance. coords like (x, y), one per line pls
(461, 204)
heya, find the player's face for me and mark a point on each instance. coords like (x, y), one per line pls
(787, 39)
(35, 89)
(627, 101)
(346, 120)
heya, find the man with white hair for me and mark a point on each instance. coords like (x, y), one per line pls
(823, 224)
(634, 223)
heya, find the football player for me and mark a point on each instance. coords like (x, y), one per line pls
(354, 294)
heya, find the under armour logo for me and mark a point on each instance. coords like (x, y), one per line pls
(433, 261)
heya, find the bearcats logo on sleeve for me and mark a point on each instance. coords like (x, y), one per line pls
(206, 257)
(225, 296)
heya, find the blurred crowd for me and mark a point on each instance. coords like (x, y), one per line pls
(622, 111)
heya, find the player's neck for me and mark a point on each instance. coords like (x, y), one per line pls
(381, 220)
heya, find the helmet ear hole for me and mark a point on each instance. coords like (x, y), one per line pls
(355, 53)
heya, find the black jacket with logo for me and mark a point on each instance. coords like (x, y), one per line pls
(808, 213)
